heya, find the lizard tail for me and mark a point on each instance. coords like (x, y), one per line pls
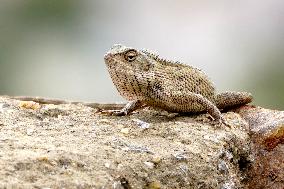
(230, 99)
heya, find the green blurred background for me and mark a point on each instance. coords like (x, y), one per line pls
(54, 48)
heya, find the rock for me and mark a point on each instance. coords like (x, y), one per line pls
(124, 131)
(154, 185)
(156, 159)
(29, 105)
(178, 152)
(141, 124)
(150, 165)
(30, 131)
(267, 136)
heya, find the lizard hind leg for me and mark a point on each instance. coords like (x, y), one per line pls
(230, 99)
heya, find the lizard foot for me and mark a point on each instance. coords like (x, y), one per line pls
(220, 122)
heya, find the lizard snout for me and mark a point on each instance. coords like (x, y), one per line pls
(108, 57)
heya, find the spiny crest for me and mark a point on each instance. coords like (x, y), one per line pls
(118, 49)
(163, 61)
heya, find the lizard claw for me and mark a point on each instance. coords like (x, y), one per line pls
(219, 122)
(225, 122)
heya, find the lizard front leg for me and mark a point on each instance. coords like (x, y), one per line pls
(128, 108)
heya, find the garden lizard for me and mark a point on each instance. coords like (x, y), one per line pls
(143, 78)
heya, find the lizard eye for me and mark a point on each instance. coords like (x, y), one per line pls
(130, 55)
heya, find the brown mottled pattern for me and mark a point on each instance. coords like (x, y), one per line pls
(140, 75)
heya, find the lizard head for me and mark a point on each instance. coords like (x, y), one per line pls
(127, 58)
(128, 68)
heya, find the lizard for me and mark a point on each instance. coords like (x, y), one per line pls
(145, 79)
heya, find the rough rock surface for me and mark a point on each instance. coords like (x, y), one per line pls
(73, 146)
(267, 136)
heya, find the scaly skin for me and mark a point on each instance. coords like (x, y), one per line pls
(144, 78)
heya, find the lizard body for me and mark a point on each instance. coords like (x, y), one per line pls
(144, 78)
